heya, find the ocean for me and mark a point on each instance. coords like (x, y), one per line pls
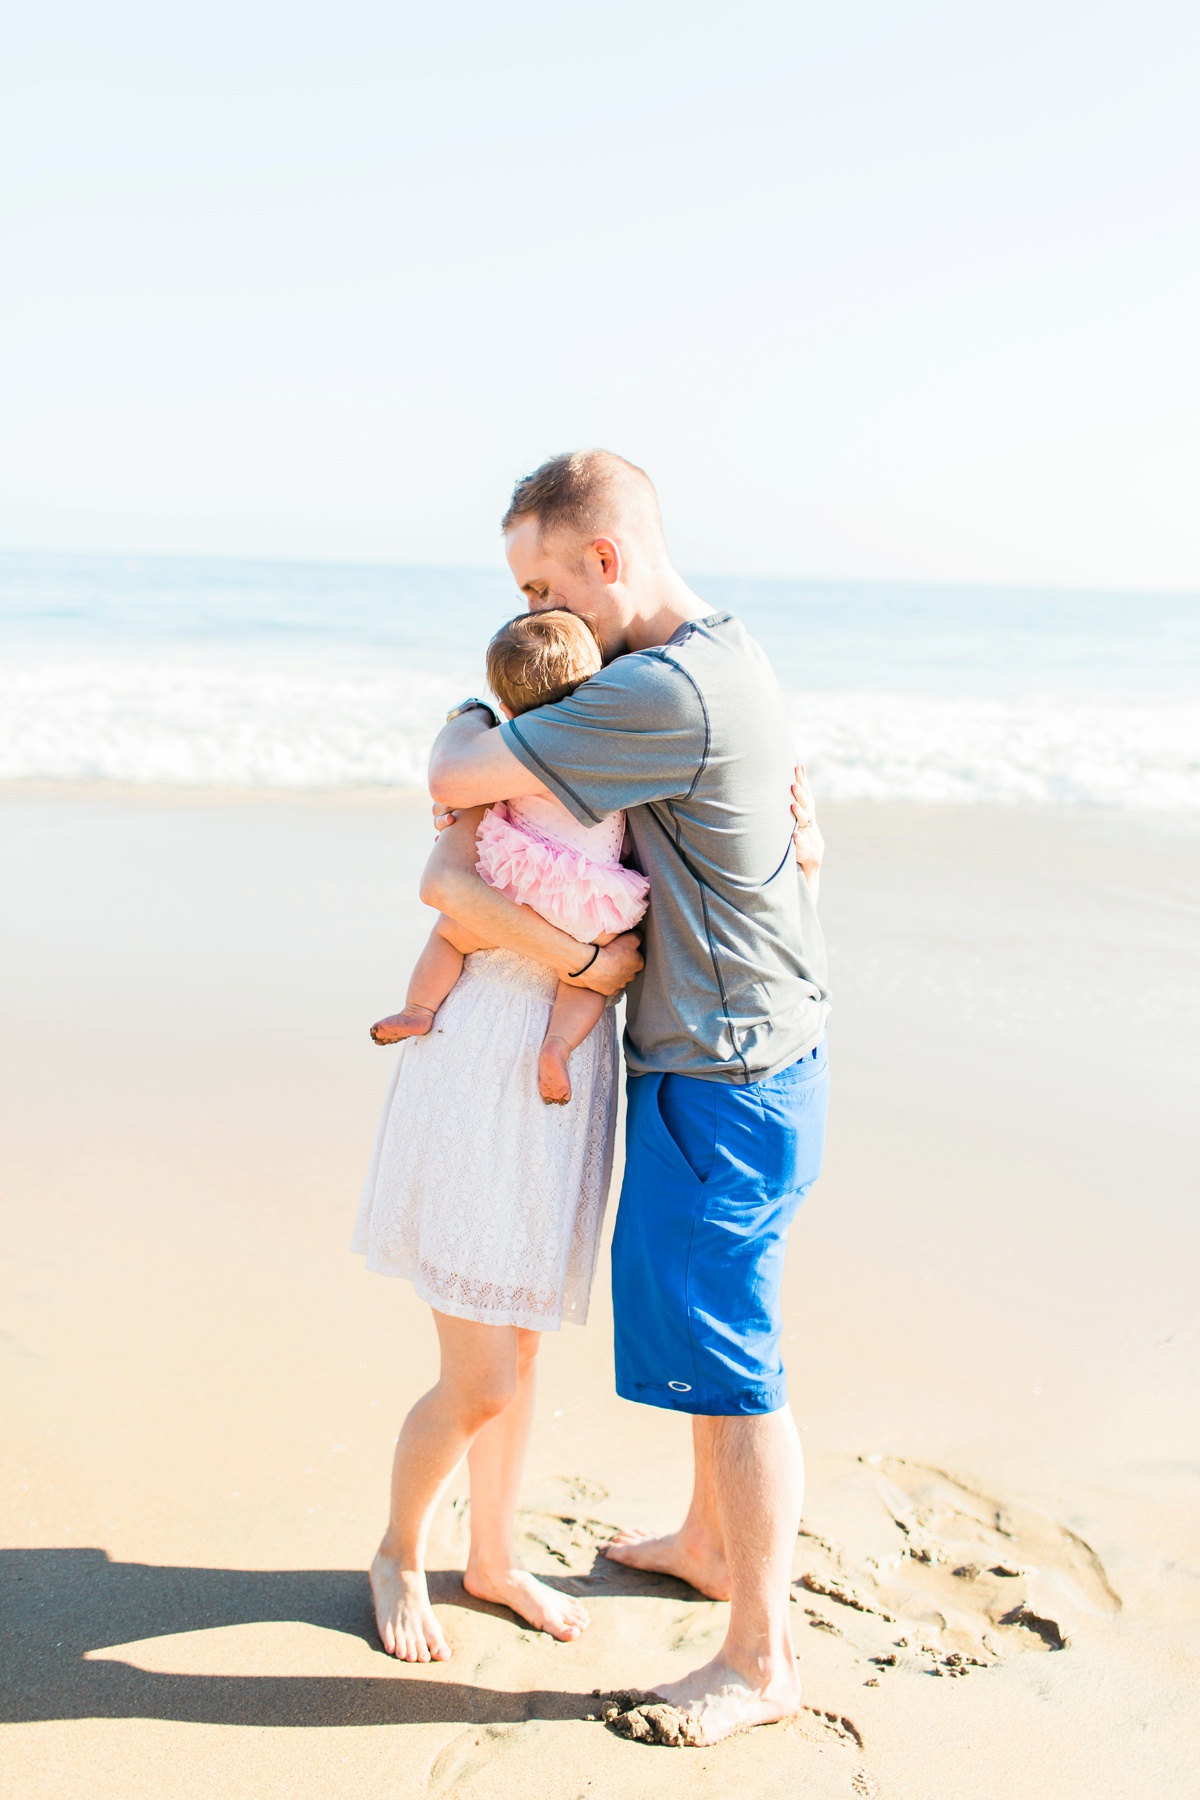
(209, 672)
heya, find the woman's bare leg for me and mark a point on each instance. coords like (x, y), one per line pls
(496, 1460)
(480, 1376)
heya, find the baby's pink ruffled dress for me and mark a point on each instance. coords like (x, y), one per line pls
(489, 1201)
(536, 853)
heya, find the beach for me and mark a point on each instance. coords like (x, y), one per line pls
(990, 1323)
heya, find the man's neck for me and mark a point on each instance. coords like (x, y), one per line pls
(668, 604)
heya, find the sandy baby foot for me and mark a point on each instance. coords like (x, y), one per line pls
(408, 1626)
(414, 1021)
(715, 1701)
(700, 1565)
(554, 1083)
(542, 1607)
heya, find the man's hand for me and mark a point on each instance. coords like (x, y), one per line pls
(810, 845)
(614, 968)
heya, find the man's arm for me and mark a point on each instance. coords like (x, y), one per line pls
(471, 765)
(452, 885)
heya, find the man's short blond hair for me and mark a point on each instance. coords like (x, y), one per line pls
(584, 494)
(538, 658)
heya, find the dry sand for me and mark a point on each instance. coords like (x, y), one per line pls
(991, 1323)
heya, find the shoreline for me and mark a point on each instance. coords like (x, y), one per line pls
(166, 795)
(71, 788)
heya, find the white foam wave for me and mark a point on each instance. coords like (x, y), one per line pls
(192, 723)
(204, 725)
(1044, 752)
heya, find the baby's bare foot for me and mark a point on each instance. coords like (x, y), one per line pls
(407, 1624)
(543, 1607)
(554, 1084)
(414, 1021)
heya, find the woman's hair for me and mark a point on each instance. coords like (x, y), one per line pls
(539, 658)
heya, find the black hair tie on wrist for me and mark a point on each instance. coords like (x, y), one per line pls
(587, 965)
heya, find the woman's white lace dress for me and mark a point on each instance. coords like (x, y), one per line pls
(489, 1201)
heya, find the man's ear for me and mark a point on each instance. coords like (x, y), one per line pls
(606, 559)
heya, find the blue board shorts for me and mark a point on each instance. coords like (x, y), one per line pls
(713, 1176)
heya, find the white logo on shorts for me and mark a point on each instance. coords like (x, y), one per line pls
(681, 1387)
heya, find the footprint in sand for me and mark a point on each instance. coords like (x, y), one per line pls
(557, 1534)
(484, 1754)
(561, 1532)
(952, 1575)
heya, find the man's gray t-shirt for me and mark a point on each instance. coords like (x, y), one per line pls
(691, 740)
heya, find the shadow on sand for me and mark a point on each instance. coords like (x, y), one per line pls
(57, 1605)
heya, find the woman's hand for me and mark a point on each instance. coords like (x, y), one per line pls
(810, 845)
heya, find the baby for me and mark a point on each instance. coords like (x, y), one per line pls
(533, 851)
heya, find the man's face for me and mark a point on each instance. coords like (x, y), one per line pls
(583, 579)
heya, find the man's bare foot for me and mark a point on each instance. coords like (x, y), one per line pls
(408, 1626)
(543, 1607)
(414, 1021)
(700, 1564)
(718, 1700)
(554, 1084)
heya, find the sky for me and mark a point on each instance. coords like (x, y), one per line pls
(893, 289)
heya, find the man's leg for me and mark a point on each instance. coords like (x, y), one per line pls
(713, 1176)
(696, 1552)
(758, 1480)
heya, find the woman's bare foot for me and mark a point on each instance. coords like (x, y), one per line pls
(414, 1021)
(554, 1084)
(697, 1562)
(543, 1607)
(720, 1700)
(408, 1626)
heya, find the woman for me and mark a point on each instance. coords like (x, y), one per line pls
(489, 1200)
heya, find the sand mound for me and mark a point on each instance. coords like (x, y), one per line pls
(952, 1576)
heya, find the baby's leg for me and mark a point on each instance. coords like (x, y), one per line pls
(437, 969)
(576, 1011)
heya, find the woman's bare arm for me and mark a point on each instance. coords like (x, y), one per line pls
(810, 844)
(471, 765)
(452, 884)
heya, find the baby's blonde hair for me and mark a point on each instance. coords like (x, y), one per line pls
(540, 657)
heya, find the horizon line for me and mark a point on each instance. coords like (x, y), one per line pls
(466, 568)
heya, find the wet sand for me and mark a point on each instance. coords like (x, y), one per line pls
(991, 1318)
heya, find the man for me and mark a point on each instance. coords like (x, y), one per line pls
(685, 730)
